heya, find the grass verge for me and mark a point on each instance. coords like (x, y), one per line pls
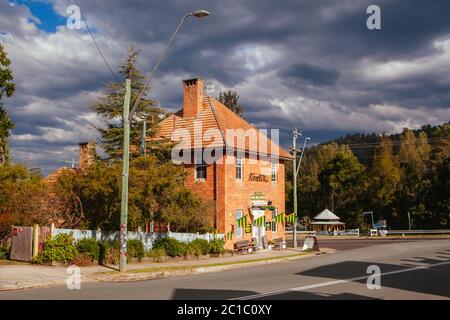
(192, 267)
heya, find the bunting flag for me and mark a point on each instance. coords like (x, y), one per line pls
(279, 218)
(260, 221)
(241, 222)
(291, 218)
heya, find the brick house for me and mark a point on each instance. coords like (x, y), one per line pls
(246, 177)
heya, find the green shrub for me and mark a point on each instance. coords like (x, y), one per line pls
(109, 252)
(156, 253)
(59, 249)
(193, 249)
(4, 253)
(173, 247)
(202, 244)
(135, 249)
(89, 248)
(216, 246)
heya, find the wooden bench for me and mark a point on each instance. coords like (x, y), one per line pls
(278, 243)
(244, 245)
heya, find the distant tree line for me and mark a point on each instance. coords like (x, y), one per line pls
(389, 175)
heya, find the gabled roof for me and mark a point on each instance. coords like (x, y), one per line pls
(54, 175)
(326, 215)
(215, 118)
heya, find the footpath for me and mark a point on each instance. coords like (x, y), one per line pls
(16, 276)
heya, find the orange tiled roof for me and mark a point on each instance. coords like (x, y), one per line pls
(53, 176)
(215, 119)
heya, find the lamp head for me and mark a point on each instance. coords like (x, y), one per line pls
(200, 13)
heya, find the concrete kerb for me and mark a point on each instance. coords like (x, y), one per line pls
(141, 274)
(92, 274)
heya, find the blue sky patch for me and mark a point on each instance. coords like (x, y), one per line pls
(44, 11)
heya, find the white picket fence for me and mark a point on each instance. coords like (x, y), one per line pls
(147, 238)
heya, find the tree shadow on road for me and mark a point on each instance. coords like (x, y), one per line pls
(431, 279)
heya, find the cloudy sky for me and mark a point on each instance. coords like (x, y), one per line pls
(309, 64)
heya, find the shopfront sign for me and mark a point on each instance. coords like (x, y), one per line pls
(258, 196)
(248, 228)
(257, 177)
(257, 214)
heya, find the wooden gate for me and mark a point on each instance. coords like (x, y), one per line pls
(21, 243)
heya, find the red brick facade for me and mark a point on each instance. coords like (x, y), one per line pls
(229, 194)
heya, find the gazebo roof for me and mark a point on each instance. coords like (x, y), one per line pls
(326, 215)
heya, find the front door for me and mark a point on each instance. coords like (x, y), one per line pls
(258, 233)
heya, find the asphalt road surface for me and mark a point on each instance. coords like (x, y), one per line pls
(418, 269)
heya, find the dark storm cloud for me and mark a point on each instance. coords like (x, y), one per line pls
(311, 64)
(306, 73)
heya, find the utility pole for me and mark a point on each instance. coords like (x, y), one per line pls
(125, 171)
(127, 116)
(296, 169)
(409, 220)
(295, 133)
(144, 133)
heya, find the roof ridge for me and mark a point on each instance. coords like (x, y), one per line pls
(211, 105)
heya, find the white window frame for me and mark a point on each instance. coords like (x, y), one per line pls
(274, 224)
(239, 230)
(197, 166)
(240, 166)
(274, 172)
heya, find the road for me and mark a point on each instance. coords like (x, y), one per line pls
(418, 269)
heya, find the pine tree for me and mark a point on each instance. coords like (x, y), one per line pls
(231, 100)
(110, 107)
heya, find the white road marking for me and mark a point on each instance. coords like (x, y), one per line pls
(336, 282)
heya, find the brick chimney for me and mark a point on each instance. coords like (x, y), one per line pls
(86, 155)
(193, 97)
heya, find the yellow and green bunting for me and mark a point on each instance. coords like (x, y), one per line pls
(291, 218)
(259, 221)
(241, 222)
(279, 218)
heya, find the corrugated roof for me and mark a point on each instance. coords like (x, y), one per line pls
(214, 120)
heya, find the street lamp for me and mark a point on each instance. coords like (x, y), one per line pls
(371, 213)
(301, 155)
(198, 14)
(127, 116)
(296, 169)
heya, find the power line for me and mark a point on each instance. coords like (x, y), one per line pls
(96, 44)
(395, 142)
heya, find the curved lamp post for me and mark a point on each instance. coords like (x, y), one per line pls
(127, 116)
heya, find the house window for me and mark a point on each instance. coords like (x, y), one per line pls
(200, 171)
(239, 168)
(274, 224)
(274, 172)
(238, 229)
